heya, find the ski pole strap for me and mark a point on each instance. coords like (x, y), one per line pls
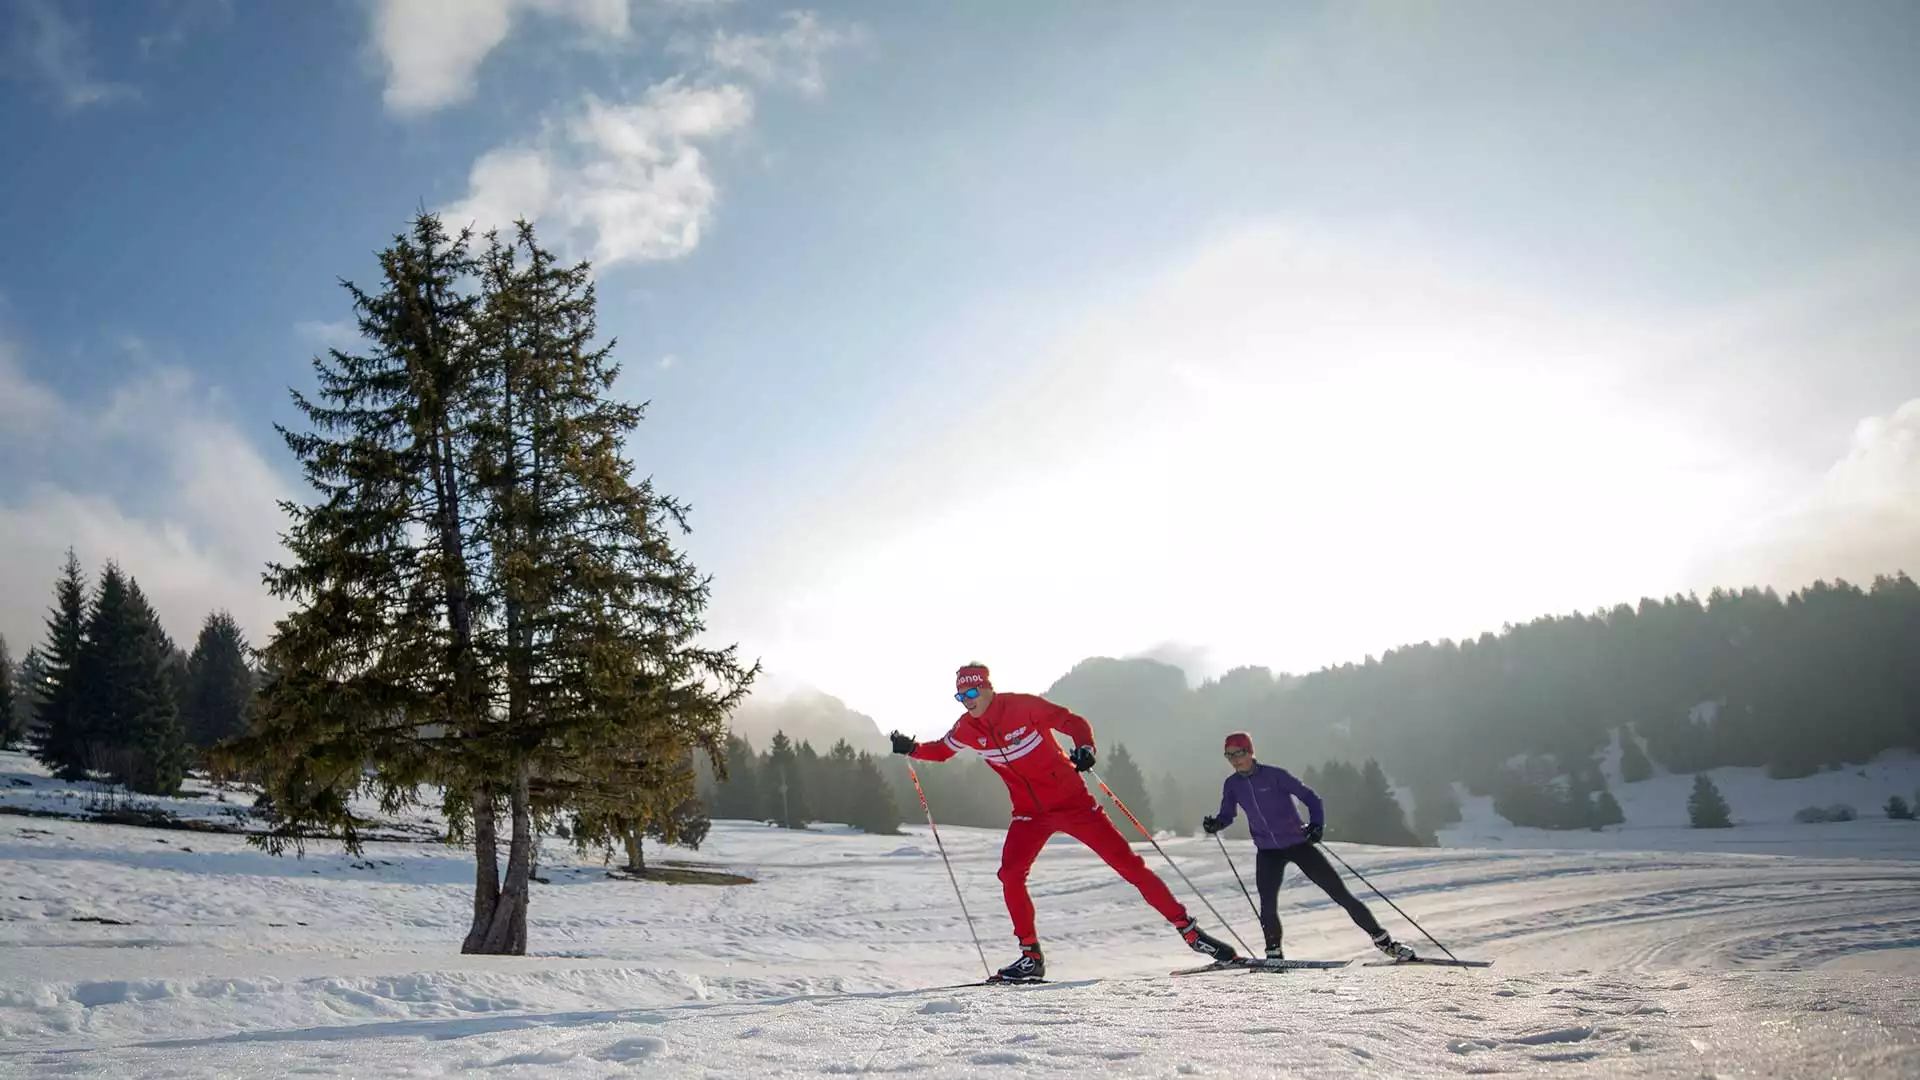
(935, 829)
(1169, 858)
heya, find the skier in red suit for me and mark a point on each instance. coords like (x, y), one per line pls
(1014, 733)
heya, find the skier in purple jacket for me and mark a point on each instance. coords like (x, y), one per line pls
(1266, 793)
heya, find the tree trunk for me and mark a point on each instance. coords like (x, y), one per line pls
(505, 932)
(486, 876)
(636, 855)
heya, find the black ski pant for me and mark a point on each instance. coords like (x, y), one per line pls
(1271, 863)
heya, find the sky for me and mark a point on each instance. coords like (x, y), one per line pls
(1236, 333)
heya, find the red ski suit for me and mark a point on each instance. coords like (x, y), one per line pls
(1015, 736)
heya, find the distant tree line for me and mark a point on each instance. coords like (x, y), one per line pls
(1822, 676)
(796, 785)
(108, 695)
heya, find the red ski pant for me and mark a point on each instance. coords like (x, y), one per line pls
(1025, 838)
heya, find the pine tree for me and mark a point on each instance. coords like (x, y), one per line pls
(1634, 766)
(1124, 777)
(1898, 810)
(781, 787)
(1175, 805)
(29, 689)
(127, 695)
(218, 683)
(1384, 820)
(1705, 808)
(1606, 810)
(807, 767)
(11, 729)
(871, 806)
(738, 796)
(1435, 806)
(374, 677)
(63, 736)
(486, 600)
(607, 697)
(834, 784)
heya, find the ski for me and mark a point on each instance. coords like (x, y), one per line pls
(1434, 960)
(1260, 963)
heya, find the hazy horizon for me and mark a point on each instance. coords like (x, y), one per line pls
(1252, 335)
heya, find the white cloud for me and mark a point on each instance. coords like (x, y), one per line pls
(627, 181)
(337, 334)
(433, 49)
(194, 517)
(26, 407)
(1860, 518)
(54, 49)
(668, 361)
(790, 57)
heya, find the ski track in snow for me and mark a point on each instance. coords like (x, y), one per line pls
(232, 963)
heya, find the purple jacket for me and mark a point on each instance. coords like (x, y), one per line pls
(1268, 796)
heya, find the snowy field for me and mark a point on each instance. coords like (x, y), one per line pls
(132, 952)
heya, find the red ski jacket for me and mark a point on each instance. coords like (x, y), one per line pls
(1015, 736)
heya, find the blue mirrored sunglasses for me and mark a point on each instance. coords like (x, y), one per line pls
(968, 694)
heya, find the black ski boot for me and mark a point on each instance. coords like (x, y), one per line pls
(1031, 967)
(1275, 952)
(1202, 942)
(1398, 952)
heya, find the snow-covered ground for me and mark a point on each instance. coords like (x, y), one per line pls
(220, 961)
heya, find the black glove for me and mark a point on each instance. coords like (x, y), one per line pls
(1210, 824)
(902, 744)
(1315, 832)
(1082, 758)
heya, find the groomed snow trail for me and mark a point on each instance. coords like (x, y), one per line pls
(221, 962)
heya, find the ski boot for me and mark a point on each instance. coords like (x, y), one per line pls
(1031, 967)
(1394, 950)
(1202, 942)
(1275, 952)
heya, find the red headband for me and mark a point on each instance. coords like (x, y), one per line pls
(971, 675)
(1240, 739)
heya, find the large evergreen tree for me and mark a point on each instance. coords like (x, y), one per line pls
(63, 738)
(607, 696)
(488, 600)
(219, 683)
(375, 674)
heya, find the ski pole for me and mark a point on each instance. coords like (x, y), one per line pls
(956, 881)
(1236, 876)
(1388, 899)
(1169, 858)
